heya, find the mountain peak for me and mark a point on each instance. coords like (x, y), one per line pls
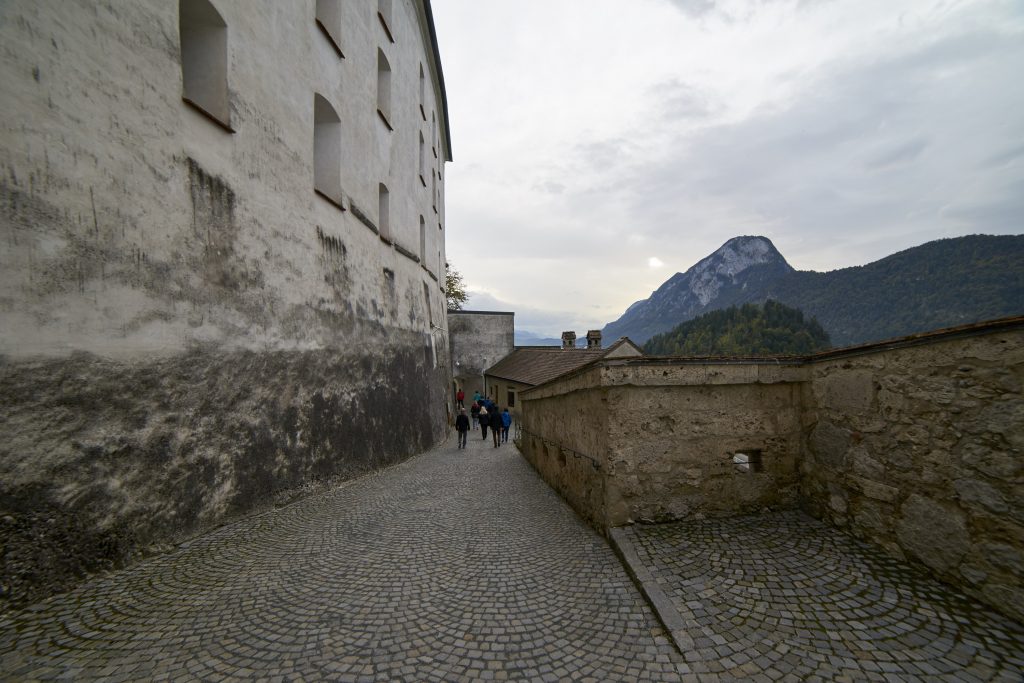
(740, 253)
(938, 284)
(708, 276)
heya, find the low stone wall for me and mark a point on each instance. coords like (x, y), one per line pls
(920, 449)
(914, 444)
(565, 441)
(673, 442)
(103, 461)
(663, 436)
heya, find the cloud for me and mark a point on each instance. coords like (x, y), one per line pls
(901, 154)
(654, 262)
(844, 130)
(679, 100)
(694, 8)
(808, 174)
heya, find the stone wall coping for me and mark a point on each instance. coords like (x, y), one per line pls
(922, 338)
(735, 370)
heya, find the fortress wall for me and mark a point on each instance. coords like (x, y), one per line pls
(915, 445)
(564, 437)
(479, 340)
(920, 449)
(671, 450)
(187, 331)
(668, 435)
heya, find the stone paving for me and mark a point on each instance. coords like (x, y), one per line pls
(457, 565)
(461, 565)
(781, 596)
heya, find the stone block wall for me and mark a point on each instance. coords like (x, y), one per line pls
(671, 450)
(920, 449)
(665, 439)
(916, 445)
(566, 442)
(479, 340)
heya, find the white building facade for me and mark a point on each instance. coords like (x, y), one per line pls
(223, 260)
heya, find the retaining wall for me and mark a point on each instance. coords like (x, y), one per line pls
(914, 444)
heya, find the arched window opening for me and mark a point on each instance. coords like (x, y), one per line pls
(423, 160)
(423, 242)
(384, 14)
(384, 88)
(423, 93)
(433, 132)
(433, 190)
(384, 212)
(204, 59)
(326, 150)
(426, 300)
(328, 18)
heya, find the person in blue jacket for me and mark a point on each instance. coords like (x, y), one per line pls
(506, 423)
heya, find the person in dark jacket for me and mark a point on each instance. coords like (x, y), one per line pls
(506, 422)
(474, 410)
(494, 418)
(485, 421)
(462, 427)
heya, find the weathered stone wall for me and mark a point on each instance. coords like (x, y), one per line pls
(187, 331)
(673, 435)
(479, 339)
(104, 460)
(666, 438)
(920, 449)
(565, 438)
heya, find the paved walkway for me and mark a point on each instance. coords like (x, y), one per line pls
(456, 565)
(463, 565)
(781, 596)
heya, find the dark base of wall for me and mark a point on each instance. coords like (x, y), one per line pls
(103, 462)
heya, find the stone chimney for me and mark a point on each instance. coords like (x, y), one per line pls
(594, 339)
(569, 340)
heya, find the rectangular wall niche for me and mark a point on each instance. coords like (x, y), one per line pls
(748, 460)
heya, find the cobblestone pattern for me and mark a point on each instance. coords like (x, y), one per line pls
(457, 565)
(781, 597)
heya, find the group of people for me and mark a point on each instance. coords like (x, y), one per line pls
(485, 413)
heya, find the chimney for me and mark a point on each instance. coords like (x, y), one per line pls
(569, 340)
(594, 339)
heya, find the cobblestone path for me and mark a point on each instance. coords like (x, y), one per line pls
(456, 565)
(783, 597)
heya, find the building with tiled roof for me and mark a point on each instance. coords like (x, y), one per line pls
(529, 366)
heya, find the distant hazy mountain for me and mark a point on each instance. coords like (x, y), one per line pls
(938, 284)
(525, 338)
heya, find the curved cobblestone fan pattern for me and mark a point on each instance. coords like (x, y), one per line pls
(456, 565)
(783, 596)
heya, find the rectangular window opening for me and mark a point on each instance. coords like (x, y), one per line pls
(748, 460)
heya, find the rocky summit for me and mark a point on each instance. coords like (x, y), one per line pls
(938, 284)
(739, 268)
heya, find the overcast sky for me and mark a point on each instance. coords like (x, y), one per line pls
(600, 146)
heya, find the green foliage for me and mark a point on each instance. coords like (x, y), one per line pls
(939, 284)
(770, 329)
(454, 288)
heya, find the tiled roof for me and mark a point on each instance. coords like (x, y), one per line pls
(536, 365)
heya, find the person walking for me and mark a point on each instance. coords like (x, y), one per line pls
(460, 396)
(474, 410)
(462, 427)
(506, 422)
(476, 397)
(484, 421)
(494, 418)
